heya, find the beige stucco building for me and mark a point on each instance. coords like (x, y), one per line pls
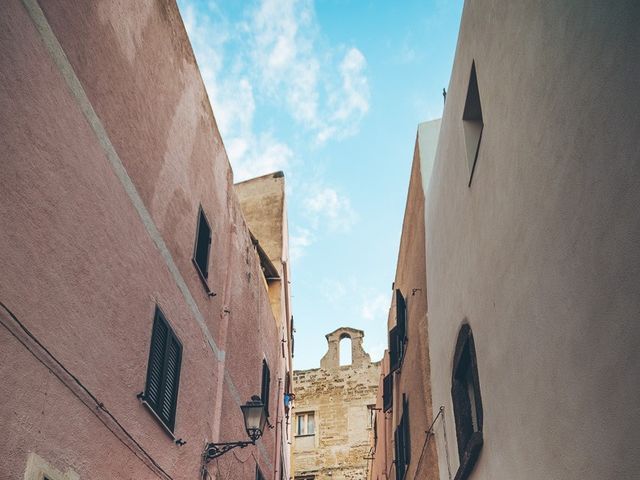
(332, 420)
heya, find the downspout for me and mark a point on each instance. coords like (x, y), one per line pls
(278, 442)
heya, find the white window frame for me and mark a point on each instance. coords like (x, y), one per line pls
(39, 469)
(305, 416)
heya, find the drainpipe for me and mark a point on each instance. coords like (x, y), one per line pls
(278, 443)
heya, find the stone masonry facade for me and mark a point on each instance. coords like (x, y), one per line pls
(337, 400)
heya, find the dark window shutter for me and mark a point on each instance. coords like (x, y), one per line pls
(402, 442)
(156, 361)
(396, 441)
(401, 314)
(387, 392)
(266, 383)
(203, 245)
(163, 371)
(401, 323)
(405, 431)
(394, 349)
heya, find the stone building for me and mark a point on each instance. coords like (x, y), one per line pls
(333, 414)
(531, 234)
(142, 303)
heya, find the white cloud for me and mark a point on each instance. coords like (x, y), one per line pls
(294, 66)
(231, 92)
(328, 205)
(375, 307)
(333, 290)
(376, 351)
(298, 243)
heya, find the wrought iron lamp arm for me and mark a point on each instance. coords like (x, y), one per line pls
(214, 450)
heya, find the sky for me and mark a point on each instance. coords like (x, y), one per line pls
(331, 92)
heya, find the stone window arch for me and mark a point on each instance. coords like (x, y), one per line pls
(345, 356)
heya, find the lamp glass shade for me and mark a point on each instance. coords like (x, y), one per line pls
(254, 418)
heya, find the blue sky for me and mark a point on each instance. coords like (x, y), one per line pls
(331, 92)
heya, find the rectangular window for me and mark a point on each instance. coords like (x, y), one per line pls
(203, 246)
(398, 334)
(402, 441)
(387, 393)
(395, 349)
(266, 384)
(305, 424)
(371, 414)
(163, 371)
(401, 315)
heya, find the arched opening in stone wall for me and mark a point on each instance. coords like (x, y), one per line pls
(345, 350)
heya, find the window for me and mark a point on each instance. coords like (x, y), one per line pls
(345, 352)
(467, 403)
(472, 122)
(371, 414)
(266, 385)
(402, 441)
(305, 424)
(387, 393)
(163, 371)
(398, 334)
(259, 475)
(202, 247)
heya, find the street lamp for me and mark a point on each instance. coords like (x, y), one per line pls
(255, 419)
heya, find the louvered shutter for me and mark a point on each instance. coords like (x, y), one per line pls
(163, 371)
(394, 349)
(266, 383)
(401, 320)
(156, 362)
(203, 243)
(387, 392)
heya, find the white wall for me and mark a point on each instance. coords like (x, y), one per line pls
(541, 254)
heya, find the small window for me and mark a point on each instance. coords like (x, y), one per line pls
(472, 122)
(467, 402)
(345, 352)
(202, 247)
(402, 441)
(305, 424)
(163, 371)
(371, 414)
(387, 393)
(266, 385)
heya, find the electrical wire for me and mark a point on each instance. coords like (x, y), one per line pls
(99, 405)
(429, 435)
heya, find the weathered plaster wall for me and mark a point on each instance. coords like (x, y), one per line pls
(263, 205)
(109, 147)
(540, 254)
(339, 397)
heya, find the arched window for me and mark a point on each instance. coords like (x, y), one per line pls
(345, 350)
(467, 402)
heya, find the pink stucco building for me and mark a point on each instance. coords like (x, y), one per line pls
(138, 311)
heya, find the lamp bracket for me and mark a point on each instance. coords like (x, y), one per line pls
(214, 450)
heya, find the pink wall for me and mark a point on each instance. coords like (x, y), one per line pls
(87, 255)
